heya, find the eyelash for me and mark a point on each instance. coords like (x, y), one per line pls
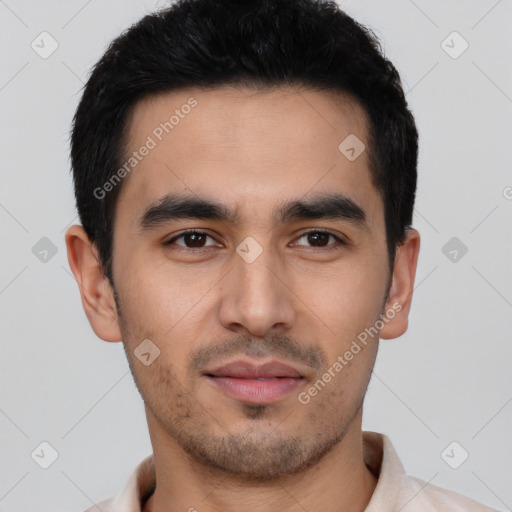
(333, 247)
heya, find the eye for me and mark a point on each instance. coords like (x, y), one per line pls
(320, 239)
(192, 239)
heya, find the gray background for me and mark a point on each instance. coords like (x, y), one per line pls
(447, 379)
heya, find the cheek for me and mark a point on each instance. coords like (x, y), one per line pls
(338, 392)
(168, 311)
(349, 299)
(348, 304)
(158, 295)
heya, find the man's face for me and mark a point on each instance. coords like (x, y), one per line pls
(291, 293)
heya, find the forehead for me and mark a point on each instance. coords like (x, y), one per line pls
(245, 147)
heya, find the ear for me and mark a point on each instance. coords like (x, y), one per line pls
(97, 294)
(399, 298)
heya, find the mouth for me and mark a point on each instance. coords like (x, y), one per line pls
(256, 384)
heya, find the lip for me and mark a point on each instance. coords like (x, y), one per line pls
(256, 384)
(243, 369)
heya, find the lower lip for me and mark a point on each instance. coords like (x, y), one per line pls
(256, 391)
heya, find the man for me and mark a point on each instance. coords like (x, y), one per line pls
(245, 174)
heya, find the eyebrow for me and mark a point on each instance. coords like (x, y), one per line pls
(179, 206)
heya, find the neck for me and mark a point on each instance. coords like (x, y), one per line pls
(339, 482)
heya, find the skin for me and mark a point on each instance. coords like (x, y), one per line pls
(298, 302)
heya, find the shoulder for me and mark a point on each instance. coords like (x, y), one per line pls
(104, 506)
(439, 498)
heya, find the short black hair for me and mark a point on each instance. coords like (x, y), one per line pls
(259, 43)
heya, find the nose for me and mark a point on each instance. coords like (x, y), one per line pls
(255, 297)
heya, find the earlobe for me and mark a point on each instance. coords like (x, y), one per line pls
(398, 303)
(95, 290)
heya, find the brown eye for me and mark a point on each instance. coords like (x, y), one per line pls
(191, 239)
(320, 239)
(194, 239)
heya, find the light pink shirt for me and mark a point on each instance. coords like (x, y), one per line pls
(395, 490)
